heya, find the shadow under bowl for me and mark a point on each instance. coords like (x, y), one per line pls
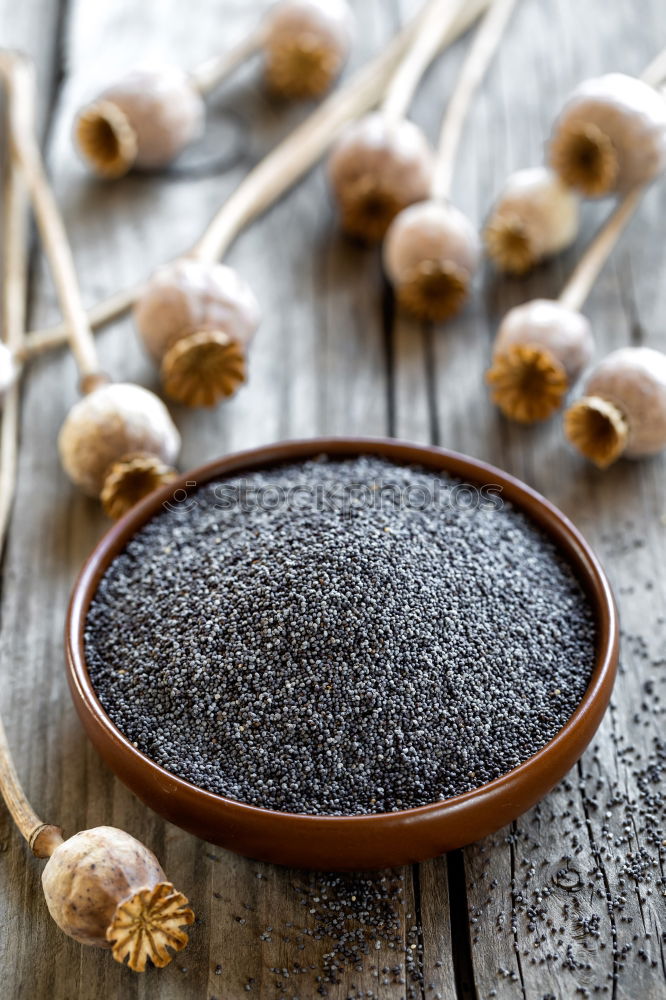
(348, 842)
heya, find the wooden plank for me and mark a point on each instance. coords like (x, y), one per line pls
(539, 925)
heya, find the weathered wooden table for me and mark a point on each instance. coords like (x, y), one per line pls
(570, 900)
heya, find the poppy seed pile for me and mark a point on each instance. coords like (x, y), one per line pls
(340, 637)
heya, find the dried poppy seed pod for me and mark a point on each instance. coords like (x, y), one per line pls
(431, 252)
(623, 409)
(540, 350)
(196, 320)
(306, 44)
(144, 120)
(105, 888)
(377, 168)
(118, 443)
(610, 135)
(535, 217)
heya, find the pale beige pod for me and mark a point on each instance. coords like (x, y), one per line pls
(117, 443)
(306, 43)
(105, 888)
(196, 320)
(535, 217)
(377, 168)
(623, 409)
(190, 295)
(144, 120)
(431, 253)
(540, 350)
(610, 135)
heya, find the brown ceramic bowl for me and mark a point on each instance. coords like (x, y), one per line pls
(349, 842)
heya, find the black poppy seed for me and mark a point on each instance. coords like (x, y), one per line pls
(361, 658)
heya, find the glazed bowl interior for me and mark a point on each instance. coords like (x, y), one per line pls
(348, 842)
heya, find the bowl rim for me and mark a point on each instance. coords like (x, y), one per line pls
(538, 508)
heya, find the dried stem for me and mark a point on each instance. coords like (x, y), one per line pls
(288, 162)
(211, 73)
(14, 283)
(435, 21)
(265, 183)
(655, 72)
(586, 272)
(40, 341)
(293, 157)
(482, 49)
(42, 837)
(15, 69)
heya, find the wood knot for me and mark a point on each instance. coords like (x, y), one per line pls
(568, 879)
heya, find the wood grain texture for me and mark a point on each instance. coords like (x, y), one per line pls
(333, 357)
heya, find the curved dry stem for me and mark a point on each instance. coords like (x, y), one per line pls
(434, 291)
(42, 837)
(14, 68)
(213, 71)
(106, 139)
(654, 73)
(598, 429)
(527, 383)
(586, 272)
(487, 38)
(132, 478)
(301, 67)
(585, 158)
(509, 244)
(14, 285)
(434, 22)
(204, 367)
(40, 341)
(149, 927)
